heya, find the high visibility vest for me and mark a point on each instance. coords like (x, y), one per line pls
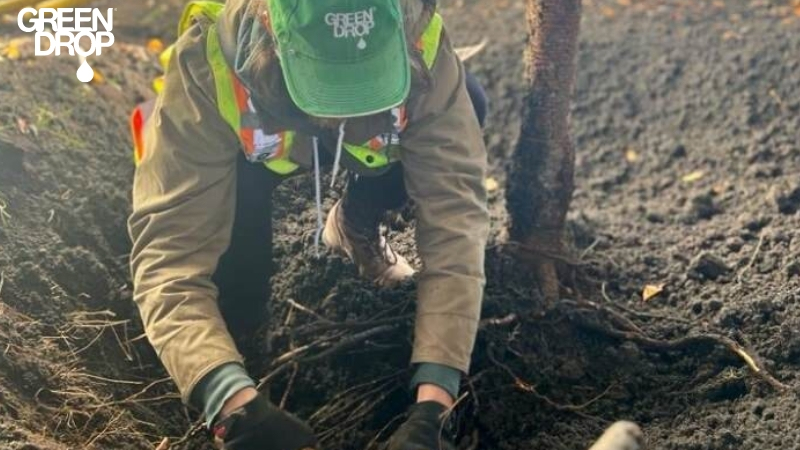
(236, 108)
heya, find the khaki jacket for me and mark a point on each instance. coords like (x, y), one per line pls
(184, 196)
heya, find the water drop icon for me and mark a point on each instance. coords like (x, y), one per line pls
(85, 72)
(362, 44)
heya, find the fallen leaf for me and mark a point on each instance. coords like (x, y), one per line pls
(797, 9)
(22, 126)
(491, 184)
(651, 291)
(98, 77)
(631, 156)
(730, 35)
(624, 2)
(12, 50)
(608, 12)
(694, 176)
(719, 189)
(155, 46)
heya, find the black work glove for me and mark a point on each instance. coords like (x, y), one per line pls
(260, 425)
(426, 428)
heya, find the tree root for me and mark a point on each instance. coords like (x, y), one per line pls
(547, 254)
(350, 407)
(523, 385)
(619, 327)
(327, 346)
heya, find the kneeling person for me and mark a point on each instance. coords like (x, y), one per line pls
(258, 91)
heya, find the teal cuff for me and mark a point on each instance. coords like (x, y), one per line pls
(217, 387)
(445, 377)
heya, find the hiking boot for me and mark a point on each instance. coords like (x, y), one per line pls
(369, 250)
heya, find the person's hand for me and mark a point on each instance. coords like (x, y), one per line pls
(424, 429)
(260, 425)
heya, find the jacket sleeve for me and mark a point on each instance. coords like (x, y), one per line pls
(183, 210)
(444, 160)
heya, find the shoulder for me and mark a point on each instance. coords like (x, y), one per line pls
(189, 65)
(434, 88)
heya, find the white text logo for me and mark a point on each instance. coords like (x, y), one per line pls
(352, 25)
(81, 31)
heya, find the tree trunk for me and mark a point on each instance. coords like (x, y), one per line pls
(540, 181)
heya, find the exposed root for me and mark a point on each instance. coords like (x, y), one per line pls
(524, 386)
(308, 311)
(328, 347)
(164, 445)
(349, 408)
(752, 260)
(550, 258)
(532, 254)
(289, 386)
(619, 327)
(79, 324)
(340, 418)
(72, 404)
(603, 319)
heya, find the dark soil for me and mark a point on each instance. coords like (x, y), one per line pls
(687, 124)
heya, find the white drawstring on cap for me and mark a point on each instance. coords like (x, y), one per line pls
(318, 189)
(338, 159)
(318, 181)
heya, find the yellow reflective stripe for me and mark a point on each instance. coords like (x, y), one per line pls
(166, 56)
(229, 107)
(209, 8)
(367, 156)
(282, 165)
(431, 39)
(226, 92)
(158, 84)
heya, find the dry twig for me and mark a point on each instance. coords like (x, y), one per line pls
(752, 259)
(519, 383)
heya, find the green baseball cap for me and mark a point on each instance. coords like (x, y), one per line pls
(342, 58)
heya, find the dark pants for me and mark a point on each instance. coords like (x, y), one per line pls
(367, 199)
(242, 275)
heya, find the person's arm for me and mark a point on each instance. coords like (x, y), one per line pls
(183, 209)
(444, 160)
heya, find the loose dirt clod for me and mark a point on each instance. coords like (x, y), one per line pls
(788, 200)
(708, 266)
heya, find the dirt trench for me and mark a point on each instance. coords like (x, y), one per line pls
(687, 124)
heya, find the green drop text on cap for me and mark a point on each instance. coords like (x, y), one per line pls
(342, 58)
